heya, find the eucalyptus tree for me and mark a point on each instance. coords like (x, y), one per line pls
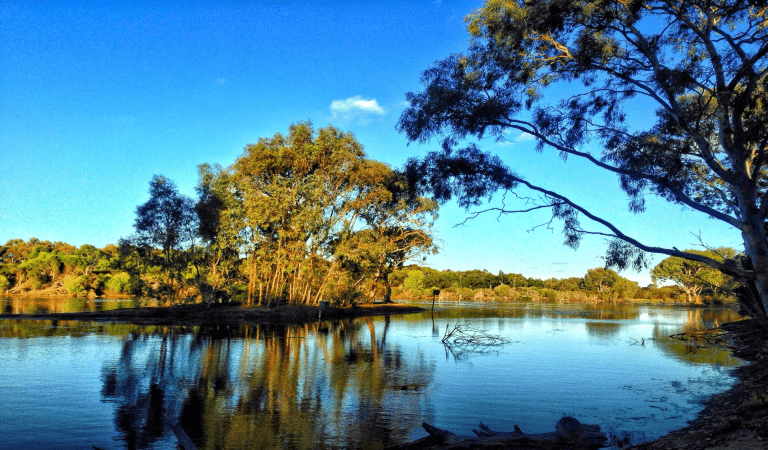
(608, 283)
(694, 277)
(313, 205)
(701, 64)
(167, 222)
(398, 229)
(221, 228)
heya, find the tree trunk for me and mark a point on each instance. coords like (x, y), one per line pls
(756, 248)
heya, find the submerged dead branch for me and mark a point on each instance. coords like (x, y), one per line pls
(467, 335)
(464, 340)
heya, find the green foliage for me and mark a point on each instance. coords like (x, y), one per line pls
(119, 282)
(36, 281)
(695, 278)
(76, 285)
(5, 284)
(601, 280)
(310, 208)
(168, 222)
(503, 291)
(414, 281)
(701, 65)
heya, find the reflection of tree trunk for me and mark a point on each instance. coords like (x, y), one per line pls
(372, 331)
(384, 333)
(192, 417)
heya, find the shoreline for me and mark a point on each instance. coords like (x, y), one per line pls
(222, 314)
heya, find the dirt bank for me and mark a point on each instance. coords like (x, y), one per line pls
(222, 314)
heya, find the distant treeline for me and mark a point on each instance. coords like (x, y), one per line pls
(415, 282)
(60, 268)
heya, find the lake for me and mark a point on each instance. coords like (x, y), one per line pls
(363, 383)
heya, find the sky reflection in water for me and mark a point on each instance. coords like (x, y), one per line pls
(363, 383)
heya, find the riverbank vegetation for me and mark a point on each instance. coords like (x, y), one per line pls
(596, 286)
(43, 268)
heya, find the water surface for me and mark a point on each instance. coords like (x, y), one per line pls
(364, 383)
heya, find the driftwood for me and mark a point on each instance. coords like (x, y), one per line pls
(569, 433)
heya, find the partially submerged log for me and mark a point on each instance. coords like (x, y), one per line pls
(569, 433)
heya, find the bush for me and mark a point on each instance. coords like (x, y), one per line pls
(414, 281)
(347, 297)
(503, 291)
(551, 295)
(4, 283)
(76, 285)
(119, 282)
(37, 280)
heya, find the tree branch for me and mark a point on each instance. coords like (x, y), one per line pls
(725, 268)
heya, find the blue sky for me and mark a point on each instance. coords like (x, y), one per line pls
(97, 98)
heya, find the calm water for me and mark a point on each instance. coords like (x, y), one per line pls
(365, 383)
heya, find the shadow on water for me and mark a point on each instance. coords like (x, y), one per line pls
(328, 384)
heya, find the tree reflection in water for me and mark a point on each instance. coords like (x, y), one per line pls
(326, 384)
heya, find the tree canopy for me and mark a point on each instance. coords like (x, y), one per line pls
(701, 65)
(166, 221)
(694, 277)
(313, 216)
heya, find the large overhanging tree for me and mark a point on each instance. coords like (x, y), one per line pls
(700, 64)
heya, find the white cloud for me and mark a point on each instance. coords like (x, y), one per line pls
(520, 138)
(356, 106)
(221, 80)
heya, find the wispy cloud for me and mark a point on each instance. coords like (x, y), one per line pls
(221, 80)
(356, 108)
(520, 138)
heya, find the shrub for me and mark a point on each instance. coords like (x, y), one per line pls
(347, 297)
(37, 280)
(75, 285)
(414, 281)
(119, 282)
(4, 283)
(502, 291)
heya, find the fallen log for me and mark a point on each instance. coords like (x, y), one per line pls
(569, 434)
